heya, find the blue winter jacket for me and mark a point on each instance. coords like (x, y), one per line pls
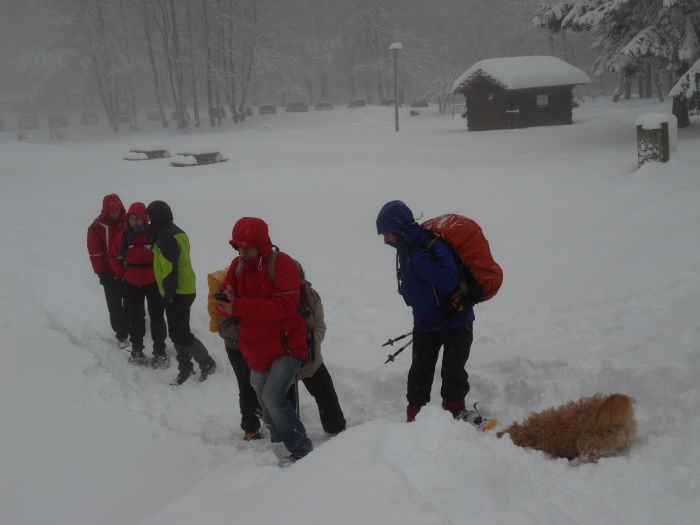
(428, 277)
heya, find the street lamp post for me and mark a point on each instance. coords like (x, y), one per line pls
(395, 48)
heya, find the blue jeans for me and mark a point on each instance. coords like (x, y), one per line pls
(271, 388)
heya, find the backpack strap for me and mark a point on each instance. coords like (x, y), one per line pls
(270, 268)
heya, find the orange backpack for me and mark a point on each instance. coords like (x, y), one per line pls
(480, 277)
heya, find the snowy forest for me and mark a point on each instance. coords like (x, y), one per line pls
(196, 61)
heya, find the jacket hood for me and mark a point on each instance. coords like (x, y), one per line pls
(138, 208)
(111, 203)
(251, 232)
(394, 217)
(159, 213)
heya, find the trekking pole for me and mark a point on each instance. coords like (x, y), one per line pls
(392, 356)
(390, 342)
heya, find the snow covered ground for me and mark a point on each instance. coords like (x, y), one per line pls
(601, 294)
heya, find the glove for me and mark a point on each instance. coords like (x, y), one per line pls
(455, 302)
(105, 278)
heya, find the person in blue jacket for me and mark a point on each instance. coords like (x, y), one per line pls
(428, 276)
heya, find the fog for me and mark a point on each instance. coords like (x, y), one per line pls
(179, 61)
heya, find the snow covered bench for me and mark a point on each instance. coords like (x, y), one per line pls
(148, 152)
(198, 156)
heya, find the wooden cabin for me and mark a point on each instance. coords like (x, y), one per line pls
(519, 92)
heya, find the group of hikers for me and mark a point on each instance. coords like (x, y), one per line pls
(270, 317)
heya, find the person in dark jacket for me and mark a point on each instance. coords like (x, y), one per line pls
(427, 278)
(131, 258)
(176, 283)
(271, 333)
(100, 234)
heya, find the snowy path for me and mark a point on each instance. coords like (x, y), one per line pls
(602, 293)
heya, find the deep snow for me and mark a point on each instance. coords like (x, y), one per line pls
(601, 294)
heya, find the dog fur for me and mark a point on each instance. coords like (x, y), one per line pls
(594, 426)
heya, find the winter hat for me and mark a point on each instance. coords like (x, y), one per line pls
(139, 209)
(251, 232)
(112, 203)
(394, 217)
(159, 213)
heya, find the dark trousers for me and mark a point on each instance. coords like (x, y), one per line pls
(136, 313)
(320, 386)
(187, 346)
(114, 294)
(426, 347)
(247, 399)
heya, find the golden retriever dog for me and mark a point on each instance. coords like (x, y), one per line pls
(594, 426)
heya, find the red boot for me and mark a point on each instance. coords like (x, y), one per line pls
(412, 411)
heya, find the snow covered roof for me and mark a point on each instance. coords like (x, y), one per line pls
(523, 73)
(686, 85)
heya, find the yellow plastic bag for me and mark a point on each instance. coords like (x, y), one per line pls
(215, 280)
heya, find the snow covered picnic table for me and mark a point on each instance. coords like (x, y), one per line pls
(148, 152)
(197, 156)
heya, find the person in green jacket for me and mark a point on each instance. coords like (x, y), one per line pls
(176, 282)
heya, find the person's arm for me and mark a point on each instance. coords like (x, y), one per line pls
(437, 266)
(96, 250)
(171, 251)
(116, 260)
(285, 295)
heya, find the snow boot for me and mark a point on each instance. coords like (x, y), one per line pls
(473, 417)
(137, 357)
(160, 360)
(251, 436)
(412, 411)
(182, 377)
(206, 371)
(122, 342)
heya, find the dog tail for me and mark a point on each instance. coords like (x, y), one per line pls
(617, 409)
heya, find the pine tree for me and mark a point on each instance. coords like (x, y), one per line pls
(631, 34)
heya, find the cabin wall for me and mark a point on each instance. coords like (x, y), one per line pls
(491, 107)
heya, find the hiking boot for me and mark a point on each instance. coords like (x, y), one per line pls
(206, 371)
(160, 361)
(251, 436)
(473, 417)
(122, 342)
(182, 377)
(296, 456)
(137, 357)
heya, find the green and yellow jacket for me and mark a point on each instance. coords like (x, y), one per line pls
(171, 262)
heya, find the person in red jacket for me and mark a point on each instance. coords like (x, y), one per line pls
(272, 332)
(131, 258)
(100, 235)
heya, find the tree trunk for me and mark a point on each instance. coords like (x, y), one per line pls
(182, 120)
(104, 75)
(145, 16)
(193, 64)
(207, 53)
(131, 95)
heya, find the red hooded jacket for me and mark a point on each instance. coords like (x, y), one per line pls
(102, 232)
(270, 323)
(131, 253)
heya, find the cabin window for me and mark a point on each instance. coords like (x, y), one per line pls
(491, 97)
(542, 101)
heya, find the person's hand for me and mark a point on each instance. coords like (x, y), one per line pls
(225, 308)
